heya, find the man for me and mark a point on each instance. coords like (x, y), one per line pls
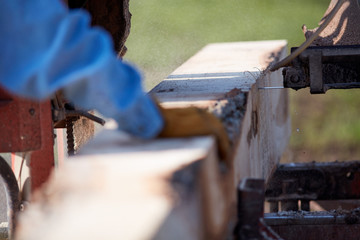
(45, 47)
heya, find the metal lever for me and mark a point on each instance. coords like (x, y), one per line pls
(75, 113)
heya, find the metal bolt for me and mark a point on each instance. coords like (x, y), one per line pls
(294, 79)
(32, 111)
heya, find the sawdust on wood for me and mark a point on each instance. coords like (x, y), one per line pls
(231, 111)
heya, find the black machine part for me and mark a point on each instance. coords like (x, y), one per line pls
(323, 68)
(11, 198)
(291, 183)
(250, 222)
(304, 182)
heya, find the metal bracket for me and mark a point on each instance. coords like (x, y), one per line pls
(312, 181)
(315, 72)
(251, 196)
(323, 68)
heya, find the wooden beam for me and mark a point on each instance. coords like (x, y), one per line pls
(124, 188)
(207, 78)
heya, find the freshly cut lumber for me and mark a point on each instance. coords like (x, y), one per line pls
(114, 193)
(119, 187)
(229, 75)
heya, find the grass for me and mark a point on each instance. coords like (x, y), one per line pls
(325, 127)
(165, 33)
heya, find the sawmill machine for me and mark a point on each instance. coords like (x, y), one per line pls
(328, 59)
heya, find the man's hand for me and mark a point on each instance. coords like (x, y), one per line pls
(192, 121)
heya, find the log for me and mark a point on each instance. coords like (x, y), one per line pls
(119, 187)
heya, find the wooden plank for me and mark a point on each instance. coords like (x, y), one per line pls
(111, 190)
(206, 79)
(217, 69)
(173, 188)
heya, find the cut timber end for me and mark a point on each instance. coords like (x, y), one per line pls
(124, 188)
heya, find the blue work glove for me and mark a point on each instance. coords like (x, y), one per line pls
(45, 47)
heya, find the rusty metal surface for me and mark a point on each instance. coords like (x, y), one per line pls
(42, 160)
(315, 225)
(314, 181)
(19, 124)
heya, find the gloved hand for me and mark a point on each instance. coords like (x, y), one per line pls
(192, 121)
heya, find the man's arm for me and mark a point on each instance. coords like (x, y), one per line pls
(45, 47)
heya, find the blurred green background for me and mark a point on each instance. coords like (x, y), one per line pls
(165, 33)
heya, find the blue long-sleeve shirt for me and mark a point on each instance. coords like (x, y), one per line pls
(45, 47)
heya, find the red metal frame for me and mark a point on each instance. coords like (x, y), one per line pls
(19, 124)
(42, 160)
(27, 126)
